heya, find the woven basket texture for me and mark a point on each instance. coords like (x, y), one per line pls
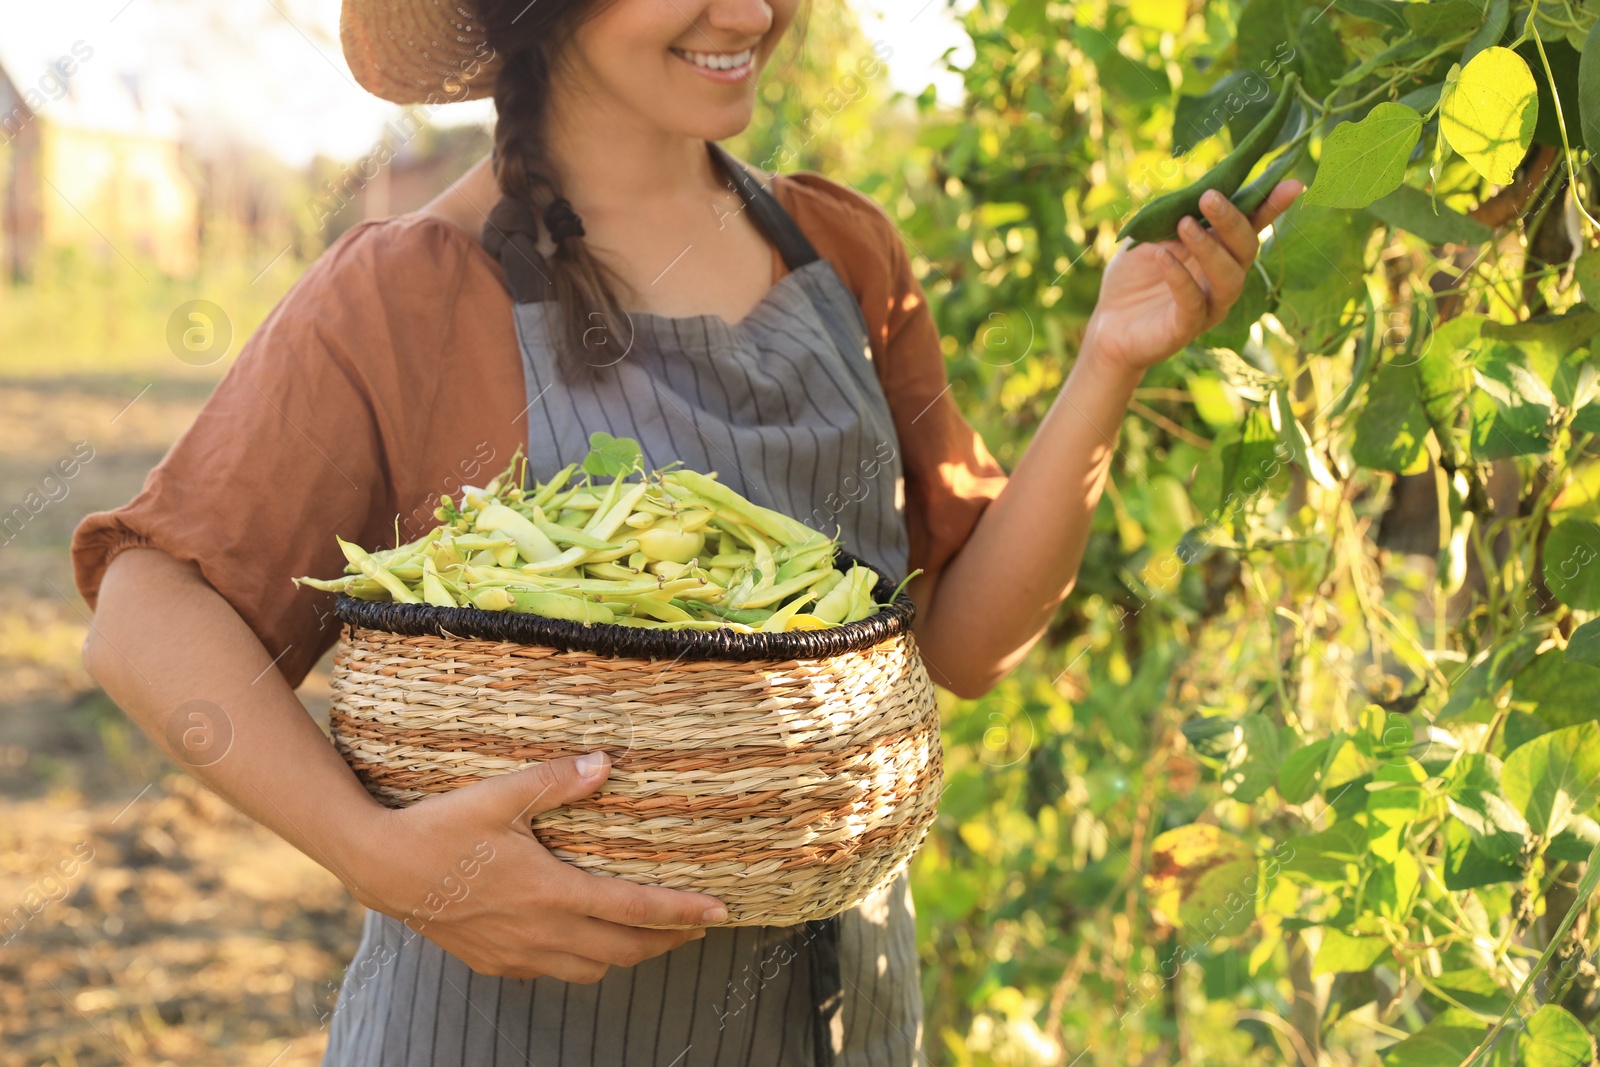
(790, 789)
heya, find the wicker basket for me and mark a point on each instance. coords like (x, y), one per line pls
(790, 775)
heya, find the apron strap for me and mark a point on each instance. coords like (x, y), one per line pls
(776, 223)
(511, 232)
(511, 235)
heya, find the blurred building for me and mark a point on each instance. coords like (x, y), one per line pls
(87, 161)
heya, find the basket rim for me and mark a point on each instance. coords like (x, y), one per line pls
(636, 642)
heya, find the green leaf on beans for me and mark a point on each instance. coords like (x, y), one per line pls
(610, 456)
(1572, 563)
(1589, 93)
(1341, 953)
(1362, 161)
(1555, 777)
(1444, 18)
(1489, 113)
(1584, 644)
(1553, 1037)
(1204, 880)
(1586, 271)
(1442, 1043)
(1409, 208)
(1392, 429)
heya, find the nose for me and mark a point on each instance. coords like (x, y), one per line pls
(743, 20)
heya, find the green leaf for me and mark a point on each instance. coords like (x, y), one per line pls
(1409, 208)
(1496, 16)
(1490, 111)
(1252, 766)
(1574, 844)
(1391, 431)
(1301, 771)
(1586, 272)
(1439, 1044)
(1474, 991)
(610, 456)
(1341, 953)
(1328, 856)
(1553, 1037)
(1555, 776)
(1557, 690)
(1362, 161)
(1545, 340)
(1233, 331)
(1589, 93)
(1390, 12)
(1583, 647)
(1572, 563)
(1443, 18)
(1564, 62)
(1468, 867)
(1510, 407)
(1204, 880)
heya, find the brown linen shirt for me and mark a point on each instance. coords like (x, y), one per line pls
(389, 374)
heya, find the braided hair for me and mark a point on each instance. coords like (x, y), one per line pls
(595, 330)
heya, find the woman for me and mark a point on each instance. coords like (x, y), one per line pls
(631, 277)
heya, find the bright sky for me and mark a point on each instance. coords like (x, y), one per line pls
(271, 70)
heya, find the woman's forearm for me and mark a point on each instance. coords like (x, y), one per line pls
(180, 662)
(995, 597)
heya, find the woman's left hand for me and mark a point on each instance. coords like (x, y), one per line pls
(1156, 298)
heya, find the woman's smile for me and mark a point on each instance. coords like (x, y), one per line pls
(719, 66)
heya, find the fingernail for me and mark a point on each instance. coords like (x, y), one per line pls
(1211, 199)
(715, 915)
(590, 766)
(1189, 226)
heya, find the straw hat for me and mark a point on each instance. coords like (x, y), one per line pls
(418, 51)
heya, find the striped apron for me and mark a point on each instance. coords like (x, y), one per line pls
(786, 407)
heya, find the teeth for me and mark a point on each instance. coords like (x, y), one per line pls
(716, 60)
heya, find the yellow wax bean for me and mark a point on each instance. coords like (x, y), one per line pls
(560, 606)
(610, 570)
(613, 553)
(433, 590)
(531, 542)
(358, 555)
(777, 593)
(491, 598)
(612, 520)
(328, 585)
(549, 489)
(779, 620)
(833, 607)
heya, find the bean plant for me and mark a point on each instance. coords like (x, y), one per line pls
(1307, 769)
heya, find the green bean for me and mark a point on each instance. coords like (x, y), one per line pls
(779, 620)
(531, 543)
(560, 606)
(370, 569)
(776, 594)
(433, 590)
(547, 492)
(1255, 193)
(567, 535)
(775, 524)
(1158, 220)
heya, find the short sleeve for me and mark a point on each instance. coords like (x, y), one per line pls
(951, 476)
(297, 443)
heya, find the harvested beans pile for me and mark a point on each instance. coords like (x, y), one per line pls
(668, 548)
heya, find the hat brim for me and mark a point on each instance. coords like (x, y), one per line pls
(418, 51)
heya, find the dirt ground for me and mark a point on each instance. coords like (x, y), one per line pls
(144, 920)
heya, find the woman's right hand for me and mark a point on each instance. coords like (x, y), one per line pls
(464, 869)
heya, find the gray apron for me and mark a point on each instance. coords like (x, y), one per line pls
(786, 407)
